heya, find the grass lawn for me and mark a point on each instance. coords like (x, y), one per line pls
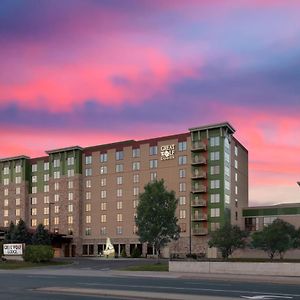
(13, 265)
(157, 267)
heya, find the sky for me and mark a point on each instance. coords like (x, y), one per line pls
(87, 72)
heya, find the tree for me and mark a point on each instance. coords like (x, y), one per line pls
(41, 236)
(227, 239)
(277, 237)
(156, 220)
(10, 235)
(21, 233)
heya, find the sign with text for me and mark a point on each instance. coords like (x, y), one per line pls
(13, 249)
(167, 152)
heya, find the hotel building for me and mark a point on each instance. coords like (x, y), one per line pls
(84, 195)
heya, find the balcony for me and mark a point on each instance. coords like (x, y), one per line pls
(198, 146)
(199, 217)
(199, 189)
(199, 174)
(199, 231)
(198, 160)
(199, 202)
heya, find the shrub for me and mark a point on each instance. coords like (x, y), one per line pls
(192, 255)
(38, 253)
(123, 253)
(136, 253)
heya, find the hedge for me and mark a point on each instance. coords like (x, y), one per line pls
(38, 253)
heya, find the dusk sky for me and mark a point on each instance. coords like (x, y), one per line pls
(87, 72)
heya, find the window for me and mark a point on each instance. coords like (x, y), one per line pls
(18, 191)
(6, 170)
(103, 157)
(46, 177)
(235, 150)
(153, 176)
(182, 227)
(56, 221)
(18, 179)
(88, 219)
(235, 163)
(33, 212)
(119, 230)
(33, 201)
(5, 192)
(119, 192)
(236, 177)
(18, 168)
(119, 205)
(227, 185)
(6, 202)
(236, 190)
(182, 200)
(46, 222)
(18, 201)
(214, 198)
(5, 181)
(269, 220)
(70, 173)
(34, 168)
(70, 208)
(56, 163)
(153, 150)
(153, 163)
(181, 146)
(182, 173)
(136, 191)
(227, 199)
(33, 222)
(227, 171)
(214, 226)
(70, 184)
(136, 178)
(182, 159)
(103, 194)
(46, 210)
(119, 168)
(215, 184)
(103, 206)
(136, 152)
(70, 196)
(46, 166)
(182, 213)
(46, 200)
(103, 182)
(103, 219)
(227, 157)
(119, 217)
(88, 183)
(56, 197)
(70, 219)
(214, 141)
(46, 188)
(5, 213)
(56, 209)
(88, 172)
(88, 195)
(88, 159)
(135, 165)
(215, 212)
(182, 187)
(56, 174)
(135, 203)
(70, 161)
(119, 180)
(103, 170)
(215, 170)
(88, 207)
(34, 190)
(119, 155)
(103, 231)
(56, 186)
(88, 231)
(215, 155)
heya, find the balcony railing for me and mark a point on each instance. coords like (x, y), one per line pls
(199, 189)
(199, 175)
(198, 146)
(198, 160)
(199, 202)
(199, 231)
(199, 217)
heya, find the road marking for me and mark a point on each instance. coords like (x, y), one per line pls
(262, 297)
(207, 283)
(190, 289)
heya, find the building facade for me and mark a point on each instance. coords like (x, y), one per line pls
(85, 195)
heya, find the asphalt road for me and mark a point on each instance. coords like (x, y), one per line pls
(78, 282)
